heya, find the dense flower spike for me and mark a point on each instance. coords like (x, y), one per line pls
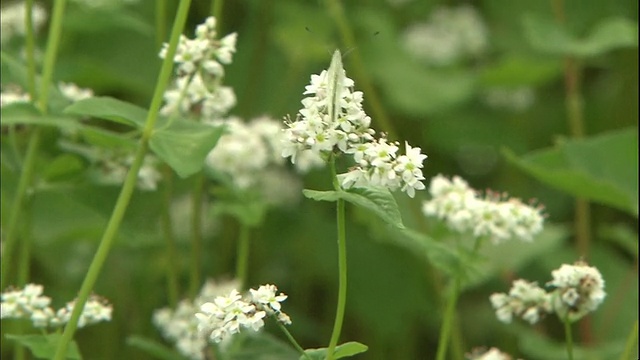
(579, 290)
(333, 121)
(499, 219)
(526, 300)
(200, 70)
(28, 303)
(229, 314)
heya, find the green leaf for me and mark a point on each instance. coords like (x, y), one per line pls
(184, 145)
(63, 167)
(248, 213)
(341, 351)
(377, 200)
(548, 36)
(603, 168)
(153, 348)
(44, 346)
(27, 114)
(439, 254)
(108, 108)
(259, 346)
(518, 71)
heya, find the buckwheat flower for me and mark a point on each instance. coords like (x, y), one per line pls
(484, 354)
(180, 325)
(332, 121)
(198, 88)
(27, 303)
(579, 290)
(450, 34)
(95, 310)
(13, 94)
(73, 92)
(12, 19)
(110, 168)
(266, 295)
(525, 300)
(493, 216)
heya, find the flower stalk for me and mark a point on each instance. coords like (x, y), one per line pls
(128, 186)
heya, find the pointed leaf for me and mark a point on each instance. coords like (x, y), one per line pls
(603, 168)
(184, 145)
(377, 200)
(548, 36)
(44, 346)
(108, 108)
(341, 351)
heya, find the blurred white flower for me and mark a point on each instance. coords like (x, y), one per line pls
(73, 92)
(29, 303)
(494, 216)
(526, 300)
(198, 88)
(515, 99)
(12, 19)
(579, 290)
(490, 354)
(13, 94)
(449, 35)
(111, 169)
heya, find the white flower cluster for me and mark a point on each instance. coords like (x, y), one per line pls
(450, 34)
(526, 300)
(73, 92)
(13, 94)
(463, 210)
(246, 150)
(112, 167)
(515, 99)
(491, 354)
(579, 289)
(227, 315)
(181, 325)
(200, 72)
(333, 120)
(12, 19)
(29, 303)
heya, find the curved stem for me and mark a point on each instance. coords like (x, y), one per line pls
(127, 188)
(449, 316)
(569, 338)
(242, 259)
(342, 277)
(216, 11)
(196, 235)
(292, 340)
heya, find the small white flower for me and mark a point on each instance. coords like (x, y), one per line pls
(73, 92)
(491, 354)
(526, 300)
(12, 19)
(579, 290)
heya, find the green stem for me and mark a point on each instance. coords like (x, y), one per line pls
(242, 260)
(569, 338)
(216, 11)
(128, 186)
(161, 21)
(632, 341)
(449, 317)
(342, 287)
(196, 235)
(167, 230)
(337, 12)
(30, 45)
(34, 141)
(292, 340)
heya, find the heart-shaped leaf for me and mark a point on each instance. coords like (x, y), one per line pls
(341, 351)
